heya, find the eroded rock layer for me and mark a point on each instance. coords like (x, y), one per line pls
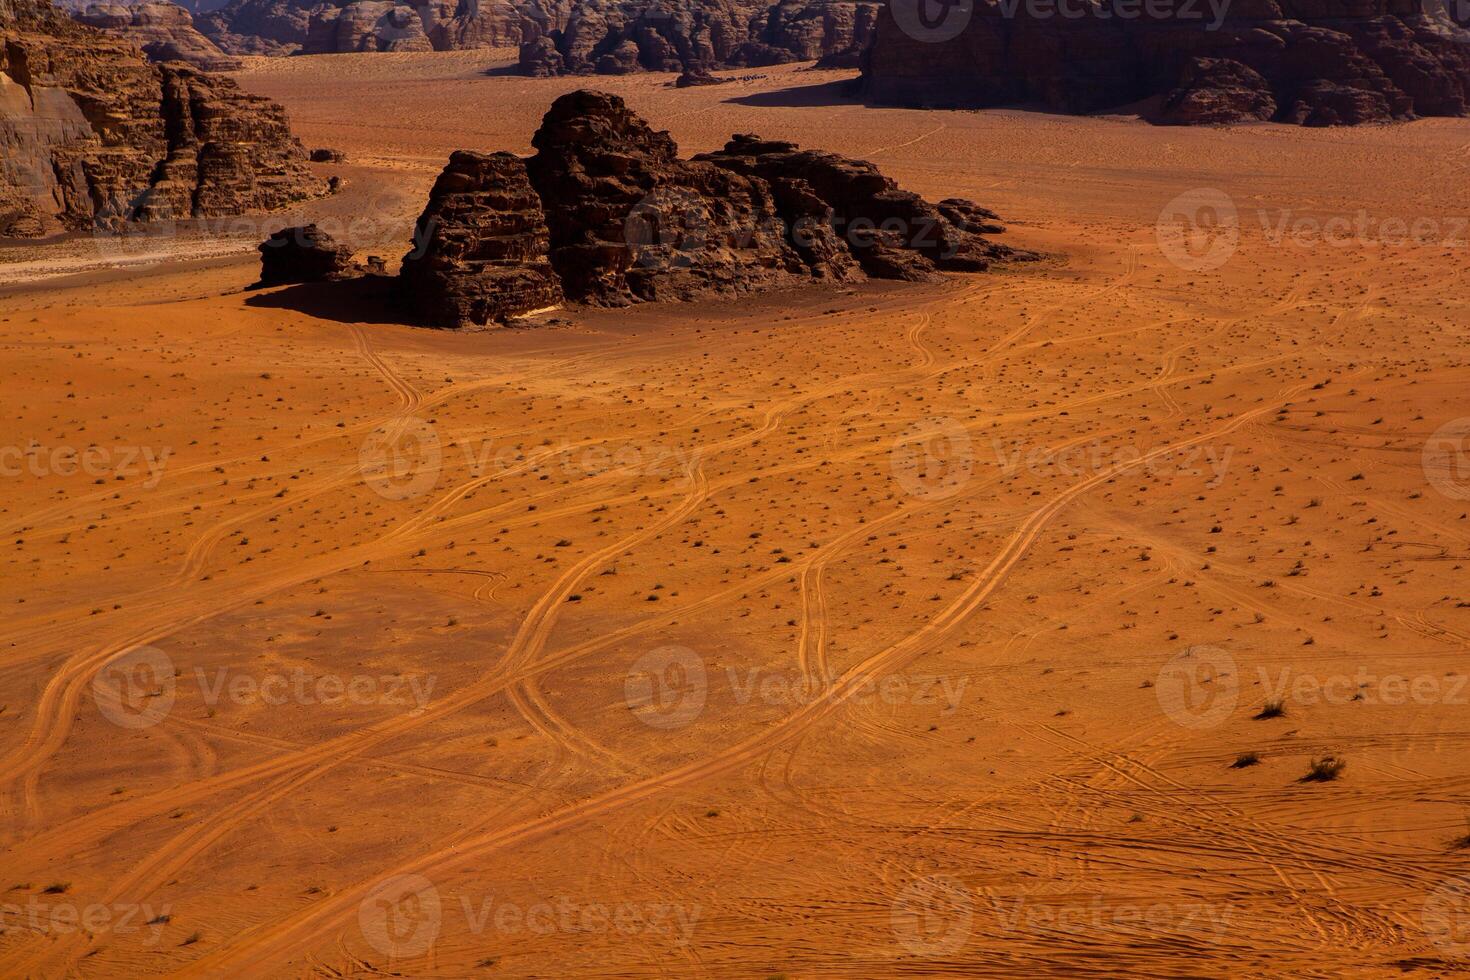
(1311, 62)
(480, 251)
(612, 37)
(560, 36)
(280, 27)
(607, 213)
(95, 136)
(165, 31)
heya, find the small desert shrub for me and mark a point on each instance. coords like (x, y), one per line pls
(1273, 708)
(1325, 769)
(1245, 760)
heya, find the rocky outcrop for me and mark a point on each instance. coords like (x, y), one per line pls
(165, 31)
(613, 37)
(95, 137)
(892, 233)
(1218, 90)
(280, 27)
(630, 221)
(698, 77)
(480, 250)
(1311, 62)
(607, 213)
(303, 254)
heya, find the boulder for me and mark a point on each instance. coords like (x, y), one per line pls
(303, 254)
(697, 77)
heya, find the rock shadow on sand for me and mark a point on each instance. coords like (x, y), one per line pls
(842, 92)
(364, 299)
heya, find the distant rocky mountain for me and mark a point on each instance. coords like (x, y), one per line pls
(95, 137)
(611, 37)
(1311, 62)
(282, 27)
(559, 36)
(165, 31)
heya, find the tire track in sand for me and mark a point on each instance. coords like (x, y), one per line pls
(271, 945)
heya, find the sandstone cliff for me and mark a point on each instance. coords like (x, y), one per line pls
(95, 136)
(481, 246)
(611, 37)
(607, 213)
(559, 36)
(1311, 62)
(280, 27)
(165, 31)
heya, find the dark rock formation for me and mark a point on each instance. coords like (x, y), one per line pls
(1312, 62)
(303, 254)
(631, 221)
(97, 137)
(607, 213)
(615, 37)
(1218, 90)
(893, 233)
(559, 36)
(165, 31)
(480, 247)
(325, 155)
(280, 27)
(698, 77)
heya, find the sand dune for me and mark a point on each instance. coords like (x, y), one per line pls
(888, 631)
